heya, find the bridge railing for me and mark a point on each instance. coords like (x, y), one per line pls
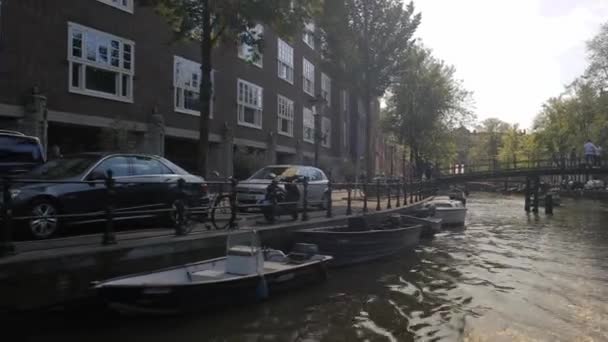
(496, 166)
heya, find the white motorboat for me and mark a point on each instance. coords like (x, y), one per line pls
(451, 212)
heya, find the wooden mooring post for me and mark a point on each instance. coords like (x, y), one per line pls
(535, 204)
(527, 194)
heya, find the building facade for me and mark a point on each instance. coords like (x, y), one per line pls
(99, 74)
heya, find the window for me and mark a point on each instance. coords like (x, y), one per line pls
(309, 35)
(285, 116)
(285, 62)
(118, 165)
(101, 64)
(186, 81)
(249, 98)
(326, 88)
(309, 126)
(315, 175)
(326, 132)
(309, 77)
(145, 166)
(345, 100)
(249, 51)
(125, 5)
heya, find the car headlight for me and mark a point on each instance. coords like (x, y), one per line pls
(14, 193)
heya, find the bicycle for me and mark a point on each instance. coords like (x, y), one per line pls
(222, 205)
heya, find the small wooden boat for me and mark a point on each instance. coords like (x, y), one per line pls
(246, 273)
(361, 239)
(430, 225)
(451, 212)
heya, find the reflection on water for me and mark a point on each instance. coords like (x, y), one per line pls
(507, 277)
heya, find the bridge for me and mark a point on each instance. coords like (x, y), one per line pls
(530, 169)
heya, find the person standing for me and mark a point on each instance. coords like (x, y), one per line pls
(598, 156)
(590, 153)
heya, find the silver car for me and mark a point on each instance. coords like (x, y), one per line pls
(252, 191)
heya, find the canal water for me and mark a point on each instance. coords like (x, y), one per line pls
(507, 277)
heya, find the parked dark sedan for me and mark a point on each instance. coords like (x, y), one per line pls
(143, 182)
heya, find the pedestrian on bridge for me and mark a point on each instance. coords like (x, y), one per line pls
(590, 153)
(598, 156)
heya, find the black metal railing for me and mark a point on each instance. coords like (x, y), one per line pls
(222, 208)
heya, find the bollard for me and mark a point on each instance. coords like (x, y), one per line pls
(108, 235)
(411, 194)
(349, 209)
(398, 204)
(305, 201)
(536, 195)
(233, 205)
(274, 203)
(378, 208)
(365, 197)
(179, 224)
(527, 196)
(329, 199)
(6, 244)
(388, 194)
(549, 204)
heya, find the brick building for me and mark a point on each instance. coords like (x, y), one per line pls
(87, 71)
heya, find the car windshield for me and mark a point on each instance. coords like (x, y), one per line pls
(280, 171)
(19, 150)
(66, 167)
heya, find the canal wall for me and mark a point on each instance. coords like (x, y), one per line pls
(61, 275)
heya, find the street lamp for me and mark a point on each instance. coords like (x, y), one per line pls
(318, 134)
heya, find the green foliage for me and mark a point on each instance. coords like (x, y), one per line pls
(428, 104)
(368, 40)
(598, 55)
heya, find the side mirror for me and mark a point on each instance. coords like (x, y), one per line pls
(96, 175)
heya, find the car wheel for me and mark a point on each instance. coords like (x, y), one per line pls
(43, 224)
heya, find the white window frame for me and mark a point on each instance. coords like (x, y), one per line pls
(254, 100)
(285, 61)
(181, 86)
(119, 4)
(308, 74)
(285, 111)
(83, 62)
(326, 131)
(326, 88)
(308, 122)
(309, 35)
(246, 52)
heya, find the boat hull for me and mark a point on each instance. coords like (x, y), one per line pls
(205, 296)
(451, 216)
(353, 247)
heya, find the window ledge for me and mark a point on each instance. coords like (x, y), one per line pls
(286, 80)
(250, 125)
(309, 141)
(101, 95)
(311, 94)
(285, 134)
(128, 9)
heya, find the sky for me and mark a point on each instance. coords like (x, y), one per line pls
(513, 54)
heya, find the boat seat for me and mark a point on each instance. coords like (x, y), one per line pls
(207, 275)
